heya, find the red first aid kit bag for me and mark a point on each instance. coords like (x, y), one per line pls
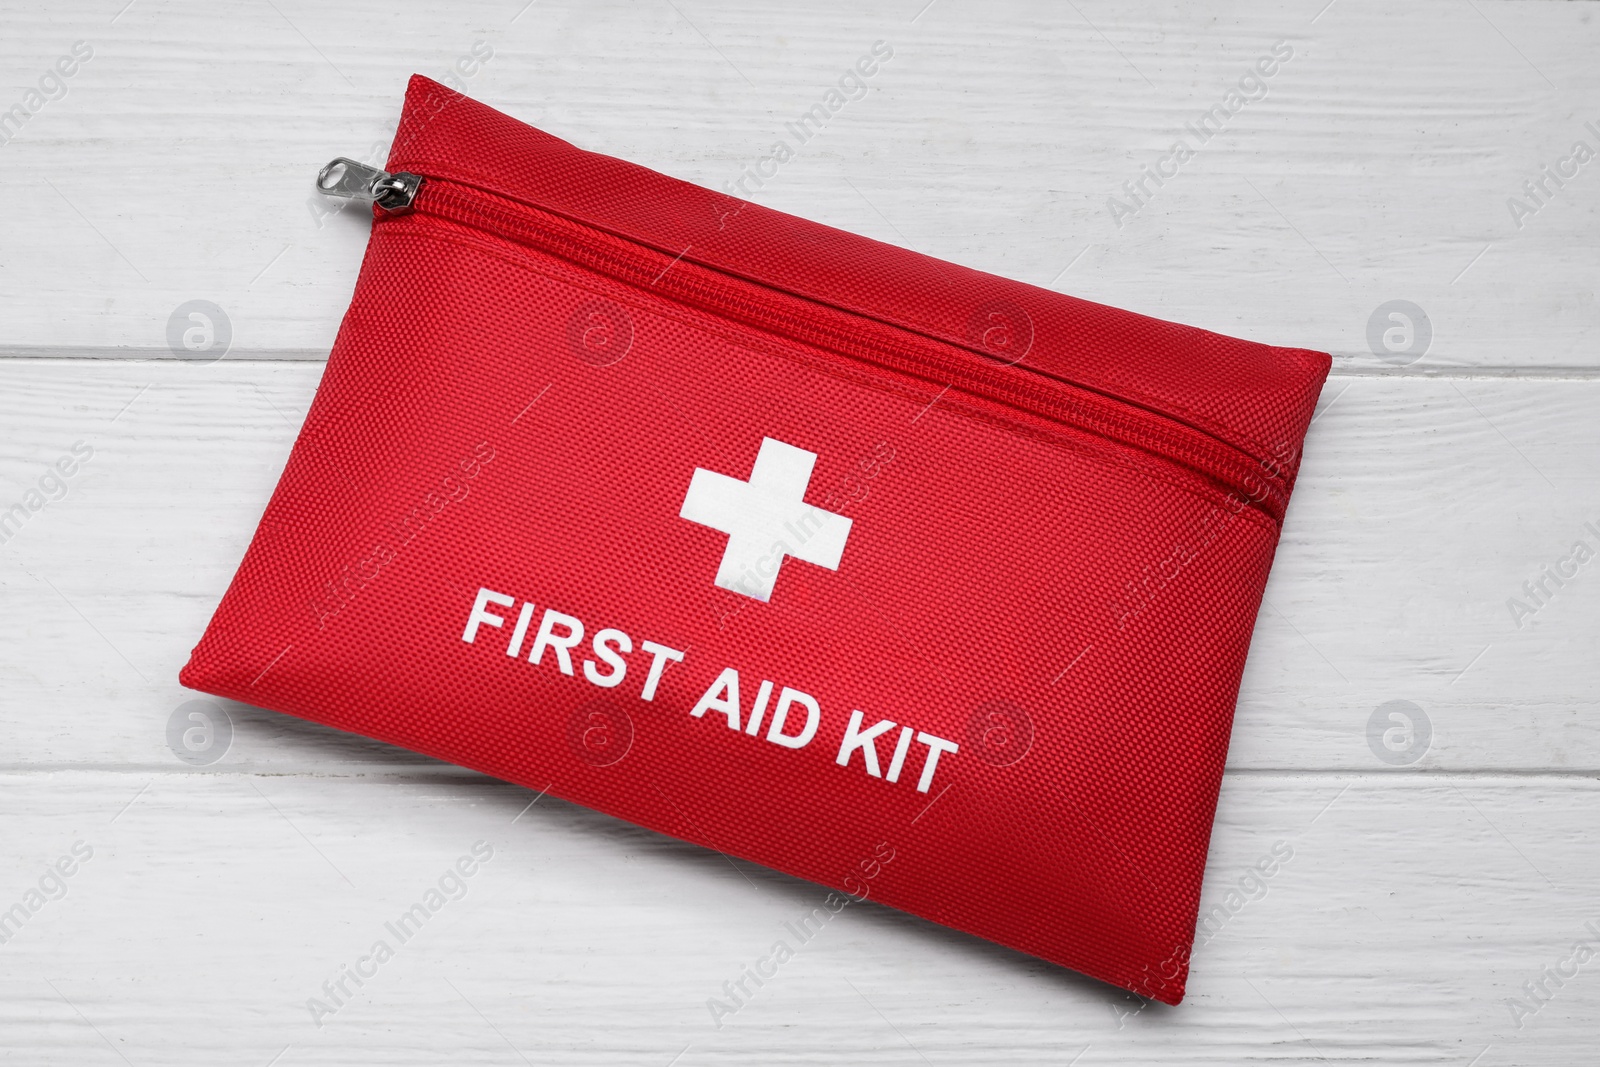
(929, 586)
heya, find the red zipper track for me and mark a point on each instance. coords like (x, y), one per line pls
(894, 348)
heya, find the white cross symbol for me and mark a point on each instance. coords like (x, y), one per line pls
(765, 519)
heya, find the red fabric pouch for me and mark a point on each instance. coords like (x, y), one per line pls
(929, 586)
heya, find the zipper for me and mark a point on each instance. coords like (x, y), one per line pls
(1251, 481)
(350, 180)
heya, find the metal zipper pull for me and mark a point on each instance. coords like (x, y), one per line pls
(356, 181)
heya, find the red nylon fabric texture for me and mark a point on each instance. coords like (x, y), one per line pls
(1061, 517)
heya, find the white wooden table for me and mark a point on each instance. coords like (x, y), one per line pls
(1374, 165)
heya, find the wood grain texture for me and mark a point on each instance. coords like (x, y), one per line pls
(1377, 166)
(216, 905)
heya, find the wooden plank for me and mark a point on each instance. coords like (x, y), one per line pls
(1378, 164)
(1423, 507)
(214, 907)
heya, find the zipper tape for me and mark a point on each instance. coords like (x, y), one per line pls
(892, 348)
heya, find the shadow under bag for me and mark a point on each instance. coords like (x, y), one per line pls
(929, 586)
